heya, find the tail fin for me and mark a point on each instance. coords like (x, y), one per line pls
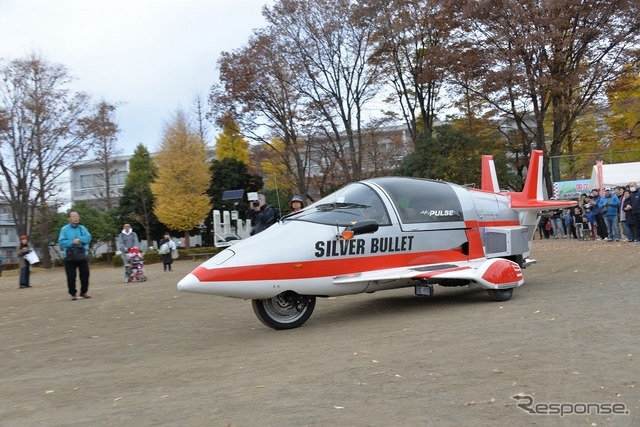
(530, 201)
(532, 195)
(533, 183)
(489, 177)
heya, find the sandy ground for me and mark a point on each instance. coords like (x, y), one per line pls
(146, 354)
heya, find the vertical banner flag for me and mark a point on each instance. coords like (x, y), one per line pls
(600, 179)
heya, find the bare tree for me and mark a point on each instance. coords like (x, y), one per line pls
(328, 45)
(198, 104)
(551, 60)
(256, 90)
(102, 129)
(416, 47)
(41, 138)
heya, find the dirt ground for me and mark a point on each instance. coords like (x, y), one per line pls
(146, 354)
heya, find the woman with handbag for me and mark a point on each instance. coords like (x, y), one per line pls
(25, 272)
(74, 239)
(167, 246)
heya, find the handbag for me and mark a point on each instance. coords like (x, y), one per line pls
(164, 249)
(175, 254)
(32, 257)
(76, 254)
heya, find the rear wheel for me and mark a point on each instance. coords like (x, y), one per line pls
(285, 311)
(500, 294)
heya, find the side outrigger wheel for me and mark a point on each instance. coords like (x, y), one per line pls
(285, 311)
(500, 294)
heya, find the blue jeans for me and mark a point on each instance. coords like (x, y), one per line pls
(627, 230)
(612, 227)
(556, 223)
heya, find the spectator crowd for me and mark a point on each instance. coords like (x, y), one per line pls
(612, 217)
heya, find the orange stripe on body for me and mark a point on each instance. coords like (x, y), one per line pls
(492, 223)
(326, 267)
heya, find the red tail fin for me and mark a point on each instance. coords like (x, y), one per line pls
(489, 177)
(533, 183)
(532, 195)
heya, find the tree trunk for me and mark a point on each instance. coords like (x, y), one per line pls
(44, 237)
(187, 243)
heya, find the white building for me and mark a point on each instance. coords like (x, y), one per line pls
(88, 181)
(8, 233)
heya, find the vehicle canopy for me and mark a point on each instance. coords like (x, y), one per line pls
(415, 201)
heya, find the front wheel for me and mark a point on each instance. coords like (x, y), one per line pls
(500, 294)
(285, 311)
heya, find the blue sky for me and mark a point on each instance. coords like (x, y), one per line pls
(152, 56)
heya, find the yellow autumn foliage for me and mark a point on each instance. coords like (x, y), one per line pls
(180, 188)
(624, 120)
(230, 143)
(276, 174)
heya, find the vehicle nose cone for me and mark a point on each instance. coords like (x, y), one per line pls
(188, 283)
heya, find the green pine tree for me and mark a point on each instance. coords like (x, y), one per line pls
(137, 201)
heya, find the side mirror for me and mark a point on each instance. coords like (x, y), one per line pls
(364, 227)
(360, 227)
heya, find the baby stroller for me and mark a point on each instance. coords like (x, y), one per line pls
(135, 266)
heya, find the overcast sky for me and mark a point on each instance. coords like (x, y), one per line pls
(150, 55)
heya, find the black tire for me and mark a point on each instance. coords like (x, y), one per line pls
(285, 311)
(500, 294)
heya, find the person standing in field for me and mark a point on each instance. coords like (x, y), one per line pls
(74, 240)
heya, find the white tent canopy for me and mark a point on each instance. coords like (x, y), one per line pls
(616, 174)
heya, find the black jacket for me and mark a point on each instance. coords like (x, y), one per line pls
(262, 219)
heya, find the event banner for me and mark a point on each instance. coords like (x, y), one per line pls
(570, 189)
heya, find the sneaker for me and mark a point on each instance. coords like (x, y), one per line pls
(73, 297)
(86, 296)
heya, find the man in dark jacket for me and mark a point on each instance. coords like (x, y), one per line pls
(261, 214)
(635, 210)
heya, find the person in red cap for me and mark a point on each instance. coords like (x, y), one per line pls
(25, 272)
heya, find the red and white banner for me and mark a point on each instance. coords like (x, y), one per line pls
(600, 181)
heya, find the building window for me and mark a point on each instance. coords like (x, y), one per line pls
(118, 178)
(86, 181)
